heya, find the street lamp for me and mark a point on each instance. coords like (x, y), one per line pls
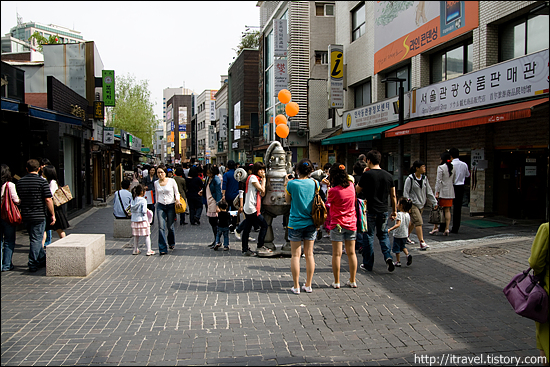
(400, 140)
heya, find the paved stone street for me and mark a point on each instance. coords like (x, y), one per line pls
(196, 306)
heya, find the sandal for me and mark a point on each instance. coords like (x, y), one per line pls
(433, 232)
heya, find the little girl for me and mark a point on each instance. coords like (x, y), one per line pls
(401, 228)
(140, 223)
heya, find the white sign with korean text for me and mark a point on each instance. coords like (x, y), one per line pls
(223, 123)
(281, 75)
(523, 77)
(212, 110)
(237, 120)
(380, 113)
(109, 135)
(280, 38)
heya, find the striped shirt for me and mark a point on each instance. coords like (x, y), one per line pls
(33, 191)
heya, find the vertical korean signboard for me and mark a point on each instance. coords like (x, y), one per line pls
(280, 46)
(108, 77)
(281, 75)
(336, 75)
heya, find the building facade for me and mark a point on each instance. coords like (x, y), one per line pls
(179, 115)
(23, 31)
(221, 121)
(475, 77)
(206, 127)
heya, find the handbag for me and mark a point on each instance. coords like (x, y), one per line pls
(318, 209)
(527, 296)
(149, 216)
(62, 195)
(10, 211)
(181, 209)
(437, 216)
(127, 210)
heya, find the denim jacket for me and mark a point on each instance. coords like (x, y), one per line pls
(215, 188)
(139, 209)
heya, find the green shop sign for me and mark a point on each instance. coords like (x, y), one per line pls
(109, 87)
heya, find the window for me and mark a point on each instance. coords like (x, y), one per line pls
(392, 88)
(321, 57)
(362, 94)
(525, 35)
(452, 62)
(324, 10)
(358, 22)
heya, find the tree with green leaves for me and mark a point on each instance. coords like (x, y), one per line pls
(249, 40)
(133, 111)
(41, 40)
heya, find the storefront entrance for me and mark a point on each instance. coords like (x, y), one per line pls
(521, 183)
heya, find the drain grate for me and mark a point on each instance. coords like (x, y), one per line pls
(484, 251)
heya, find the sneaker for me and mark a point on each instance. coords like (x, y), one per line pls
(136, 252)
(307, 289)
(249, 253)
(237, 235)
(226, 248)
(251, 239)
(362, 267)
(409, 241)
(218, 245)
(389, 263)
(351, 285)
(397, 264)
(409, 259)
(295, 290)
(264, 249)
(149, 253)
(423, 246)
(335, 285)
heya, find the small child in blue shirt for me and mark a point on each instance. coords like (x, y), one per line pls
(401, 229)
(224, 220)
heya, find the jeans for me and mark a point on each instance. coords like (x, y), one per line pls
(194, 213)
(48, 238)
(167, 218)
(251, 220)
(182, 218)
(7, 244)
(378, 222)
(360, 241)
(223, 231)
(37, 256)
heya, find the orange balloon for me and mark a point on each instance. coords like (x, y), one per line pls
(284, 96)
(282, 130)
(280, 119)
(292, 109)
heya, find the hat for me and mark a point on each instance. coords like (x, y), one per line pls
(169, 170)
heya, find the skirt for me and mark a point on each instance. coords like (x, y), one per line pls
(141, 229)
(61, 221)
(445, 203)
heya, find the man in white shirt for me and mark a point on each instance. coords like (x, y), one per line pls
(122, 199)
(461, 173)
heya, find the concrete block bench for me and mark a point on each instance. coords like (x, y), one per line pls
(122, 228)
(76, 255)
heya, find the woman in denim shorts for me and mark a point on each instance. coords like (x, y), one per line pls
(299, 194)
(343, 222)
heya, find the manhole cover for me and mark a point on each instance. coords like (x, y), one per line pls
(484, 251)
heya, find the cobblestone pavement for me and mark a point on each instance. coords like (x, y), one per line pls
(196, 306)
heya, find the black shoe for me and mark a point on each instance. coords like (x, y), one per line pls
(212, 245)
(184, 223)
(33, 270)
(218, 245)
(409, 259)
(171, 247)
(389, 263)
(226, 248)
(248, 253)
(162, 253)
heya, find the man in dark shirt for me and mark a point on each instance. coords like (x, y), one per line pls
(35, 196)
(377, 184)
(230, 190)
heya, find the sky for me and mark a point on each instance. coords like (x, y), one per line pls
(170, 44)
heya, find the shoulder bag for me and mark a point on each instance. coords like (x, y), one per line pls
(128, 209)
(527, 296)
(9, 211)
(62, 195)
(318, 209)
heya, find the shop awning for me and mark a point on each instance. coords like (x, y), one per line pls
(487, 116)
(358, 135)
(325, 133)
(53, 116)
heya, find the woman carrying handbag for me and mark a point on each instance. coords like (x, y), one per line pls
(7, 229)
(168, 197)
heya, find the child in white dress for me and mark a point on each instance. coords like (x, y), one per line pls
(140, 222)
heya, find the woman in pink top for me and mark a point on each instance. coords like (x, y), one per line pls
(7, 230)
(343, 222)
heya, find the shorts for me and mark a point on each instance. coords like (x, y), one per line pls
(445, 203)
(308, 233)
(399, 244)
(345, 235)
(416, 216)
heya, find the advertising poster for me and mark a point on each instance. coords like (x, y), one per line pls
(404, 29)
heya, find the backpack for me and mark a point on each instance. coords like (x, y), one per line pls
(318, 209)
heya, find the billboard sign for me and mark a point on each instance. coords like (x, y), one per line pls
(281, 75)
(404, 29)
(280, 38)
(336, 75)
